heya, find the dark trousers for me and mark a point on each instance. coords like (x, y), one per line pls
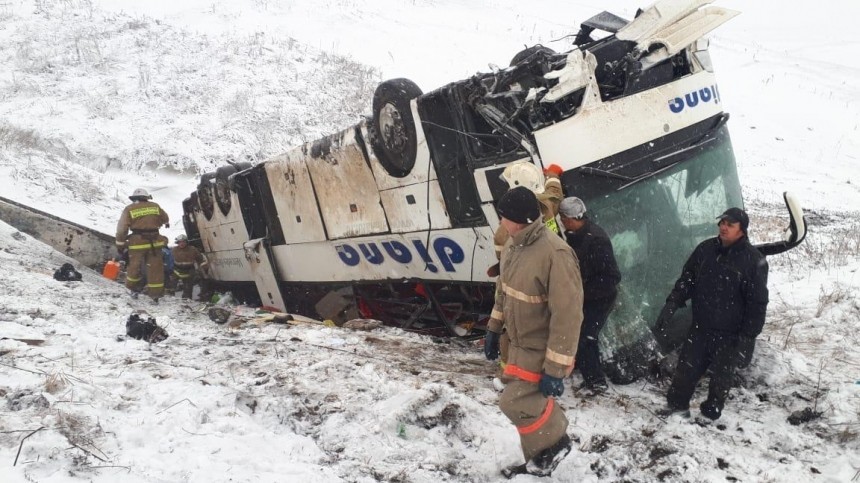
(594, 315)
(189, 279)
(704, 349)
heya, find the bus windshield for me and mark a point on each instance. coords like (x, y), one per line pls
(654, 225)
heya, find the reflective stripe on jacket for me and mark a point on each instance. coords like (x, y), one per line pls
(143, 218)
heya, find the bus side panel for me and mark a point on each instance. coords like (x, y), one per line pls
(294, 198)
(607, 129)
(411, 208)
(440, 255)
(229, 266)
(345, 187)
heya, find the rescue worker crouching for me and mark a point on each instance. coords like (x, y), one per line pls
(539, 303)
(189, 267)
(143, 218)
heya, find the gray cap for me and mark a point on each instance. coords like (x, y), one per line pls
(572, 207)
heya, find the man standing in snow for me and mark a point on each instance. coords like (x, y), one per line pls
(600, 276)
(143, 217)
(549, 195)
(540, 305)
(726, 278)
(190, 266)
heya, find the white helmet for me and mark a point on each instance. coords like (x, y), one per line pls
(182, 237)
(140, 193)
(524, 174)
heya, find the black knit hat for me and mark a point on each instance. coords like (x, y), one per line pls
(736, 215)
(519, 205)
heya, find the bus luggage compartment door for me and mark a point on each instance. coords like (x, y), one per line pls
(258, 255)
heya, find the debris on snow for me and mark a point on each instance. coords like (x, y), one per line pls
(138, 328)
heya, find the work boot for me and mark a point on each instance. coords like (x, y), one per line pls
(547, 460)
(710, 410)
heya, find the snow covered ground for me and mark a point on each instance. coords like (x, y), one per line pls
(101, 96)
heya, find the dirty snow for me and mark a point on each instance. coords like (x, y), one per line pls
(98, 94)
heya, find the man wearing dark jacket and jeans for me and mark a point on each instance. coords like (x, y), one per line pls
(726, 278)
(600, 276)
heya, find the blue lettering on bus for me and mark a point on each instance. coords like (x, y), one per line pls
(448, 253)
(398, 251)
(692, 99)
(371, 253)
(425, 255)
(348, 255)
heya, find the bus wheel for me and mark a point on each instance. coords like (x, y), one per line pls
(204, 195)
(526, 53)
(392, 130)
(222, 188)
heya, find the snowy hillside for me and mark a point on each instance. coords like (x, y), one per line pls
(102, 96)
(278, 402)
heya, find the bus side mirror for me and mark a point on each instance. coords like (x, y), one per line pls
(795, 233)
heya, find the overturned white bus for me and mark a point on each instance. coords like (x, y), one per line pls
(400, 208)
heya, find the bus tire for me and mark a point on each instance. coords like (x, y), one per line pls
(205, 196)
(239, 168)
(222, 188)
(392, 129)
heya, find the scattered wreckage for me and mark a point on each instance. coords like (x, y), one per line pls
(393, 218)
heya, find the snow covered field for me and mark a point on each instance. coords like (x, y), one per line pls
(101, 96)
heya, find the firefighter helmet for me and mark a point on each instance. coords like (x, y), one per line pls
(140, 194)
(181, 238)
(524, 174)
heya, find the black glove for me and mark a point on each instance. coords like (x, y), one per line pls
(665, 317)
(491, 345)
(551, 386)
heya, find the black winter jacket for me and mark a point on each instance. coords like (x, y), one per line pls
(597, 264)
(728, 287)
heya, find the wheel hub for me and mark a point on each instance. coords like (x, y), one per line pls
(391, 126)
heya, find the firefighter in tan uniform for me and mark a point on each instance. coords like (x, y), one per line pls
(540, 306)
(143, 217)
(549, 194)
(189, 266)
